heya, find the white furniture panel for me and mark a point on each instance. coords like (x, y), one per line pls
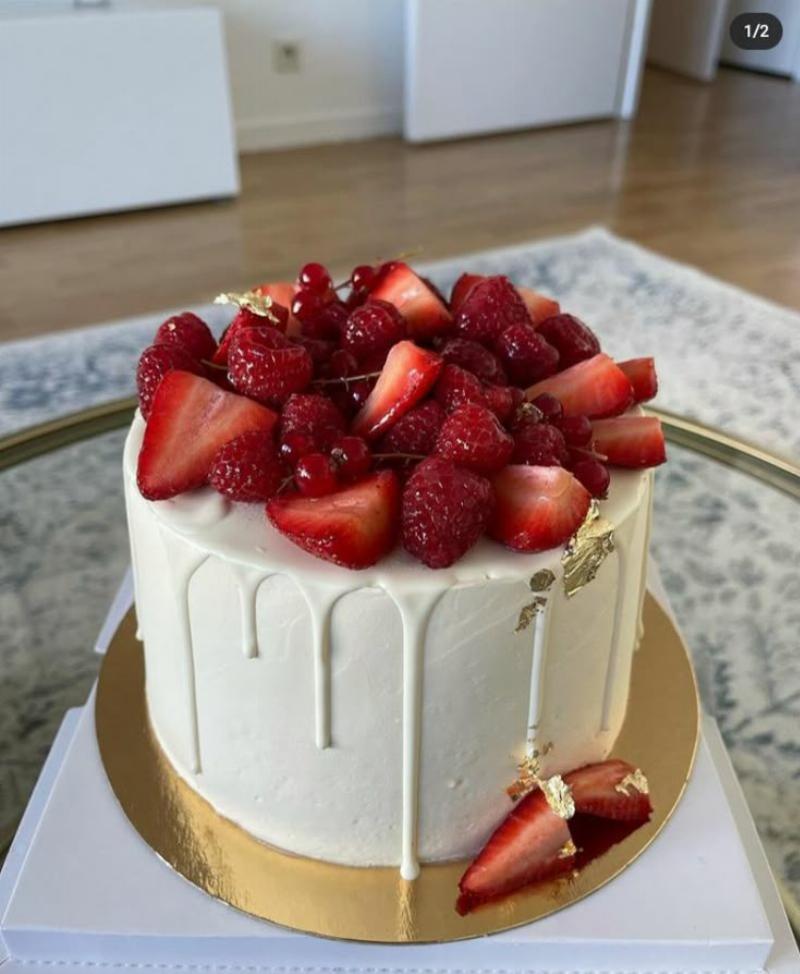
(782, 59)
(111, 108)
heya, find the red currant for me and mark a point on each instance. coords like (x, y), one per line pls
(315, 476)
(362, 278)
(294, 446)
(315, 277)
(351, 456)
(307, 304)
(593, 475)
(549, 406)
(577, 430)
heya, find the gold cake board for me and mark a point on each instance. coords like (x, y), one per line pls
(374, 904)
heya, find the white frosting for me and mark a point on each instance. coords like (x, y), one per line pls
(372, 717)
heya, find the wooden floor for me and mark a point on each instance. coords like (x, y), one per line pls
(709, 175)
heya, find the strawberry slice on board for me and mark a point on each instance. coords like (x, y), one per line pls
(426, 315)
(354, 527)
(641, 373)
(190, 420)
(539, 306)
(407, 375)
(461, 289)
(595, 387)
(630, 441)
(611, 789)
(531, 844)
(537, 508)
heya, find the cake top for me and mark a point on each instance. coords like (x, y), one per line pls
(392, 415)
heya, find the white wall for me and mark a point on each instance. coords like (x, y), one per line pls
(351, 80)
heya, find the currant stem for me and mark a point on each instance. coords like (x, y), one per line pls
(345, 379)
(398, 456)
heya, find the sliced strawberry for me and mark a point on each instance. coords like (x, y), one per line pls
(354, 527)
(190, 420)
(426, 315)
(630, 441)
(595, 387)
(537, 507)
(641, 373)
(407, 375)
(461, 289)
(528, 846)
(282, 293)
(602, 790)
(539, 307)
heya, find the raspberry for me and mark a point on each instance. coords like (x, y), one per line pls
(491, 306)
(265, 365)
(372, 329)
(503, 400)
(314, 416)
(475, 359)
(577, 430)
(415, 432)
(455, 387)
(573, 340)
(154, 363)
(473, 438)
(189, 331)
(320, 316)
(248, 468)
(540, 445)
(445, 510)
(593, 475)
(527, 356)
(319, 349)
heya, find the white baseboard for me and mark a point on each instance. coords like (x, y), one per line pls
(256, 134)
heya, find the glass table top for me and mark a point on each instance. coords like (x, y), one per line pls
(726, 538)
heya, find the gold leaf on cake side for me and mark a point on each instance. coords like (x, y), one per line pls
(542, 580)
(253, 301)
(635, 781)
(529, 612)
(587, 550)
(556, 791)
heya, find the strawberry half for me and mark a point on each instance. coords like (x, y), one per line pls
(407, 375)
(426, 315)
(354, 527)
(598, 789)
(537, 507)
(461, 289)
(630, 441)
(539, 307)
(190, 420)
(641, 373)
(527, 847)
(595, 387)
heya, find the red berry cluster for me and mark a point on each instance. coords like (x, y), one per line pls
(377, 409)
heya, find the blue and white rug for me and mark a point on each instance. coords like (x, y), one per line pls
(726, 545)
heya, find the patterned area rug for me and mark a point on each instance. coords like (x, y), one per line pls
(726, 545)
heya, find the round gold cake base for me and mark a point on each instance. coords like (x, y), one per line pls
(375, 904)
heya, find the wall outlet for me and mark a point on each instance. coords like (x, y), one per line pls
(286, 56)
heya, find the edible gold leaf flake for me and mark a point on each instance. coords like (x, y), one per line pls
(568, 850)
(529, 612)
(528, 777)
(542, 580)
(587, 550)
(254, 301)
(558, 795)
(635, 781)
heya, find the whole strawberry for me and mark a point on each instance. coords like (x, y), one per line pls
(189, 331)
(248, 468)
(445, 510)
(491, 306)
(154, 363)
(267, 366)
(473, 438)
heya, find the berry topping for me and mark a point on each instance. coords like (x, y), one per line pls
(537, 507)
(526, 355)
(416, 432)
(592, 474)
(244, 319)
(320, 350)
(281, 293)
(372, 329)
(407, 376)
(190, 332)
(602, 790)
(154, 363)
(473, 438)
(630, 441)
(474, 358)
(573, 340)
(577, 430)
(265, 365)
(527, 847)
(362, 279)
(425, 314)
(550, 408)
(461, 289)
(353, 527)
(191, 419)
(456, 386)
(315, 475)
(315, 277)
(445, 510)
(313, 415)
(248, 468)
(491, 306)
(539, 307)
(296, 445)
(503, 400)
(540, 445)
(641, 373)
(593, 388)
(351, 457)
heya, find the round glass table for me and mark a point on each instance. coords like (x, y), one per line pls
(726, 539)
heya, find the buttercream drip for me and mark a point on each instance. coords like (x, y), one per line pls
(616, 645)
(195, 511)
(541, 626)
(320, 601)
(247, 583)
(134, 572)
(648, 523)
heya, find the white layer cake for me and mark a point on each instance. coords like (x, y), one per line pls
(373, 717)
